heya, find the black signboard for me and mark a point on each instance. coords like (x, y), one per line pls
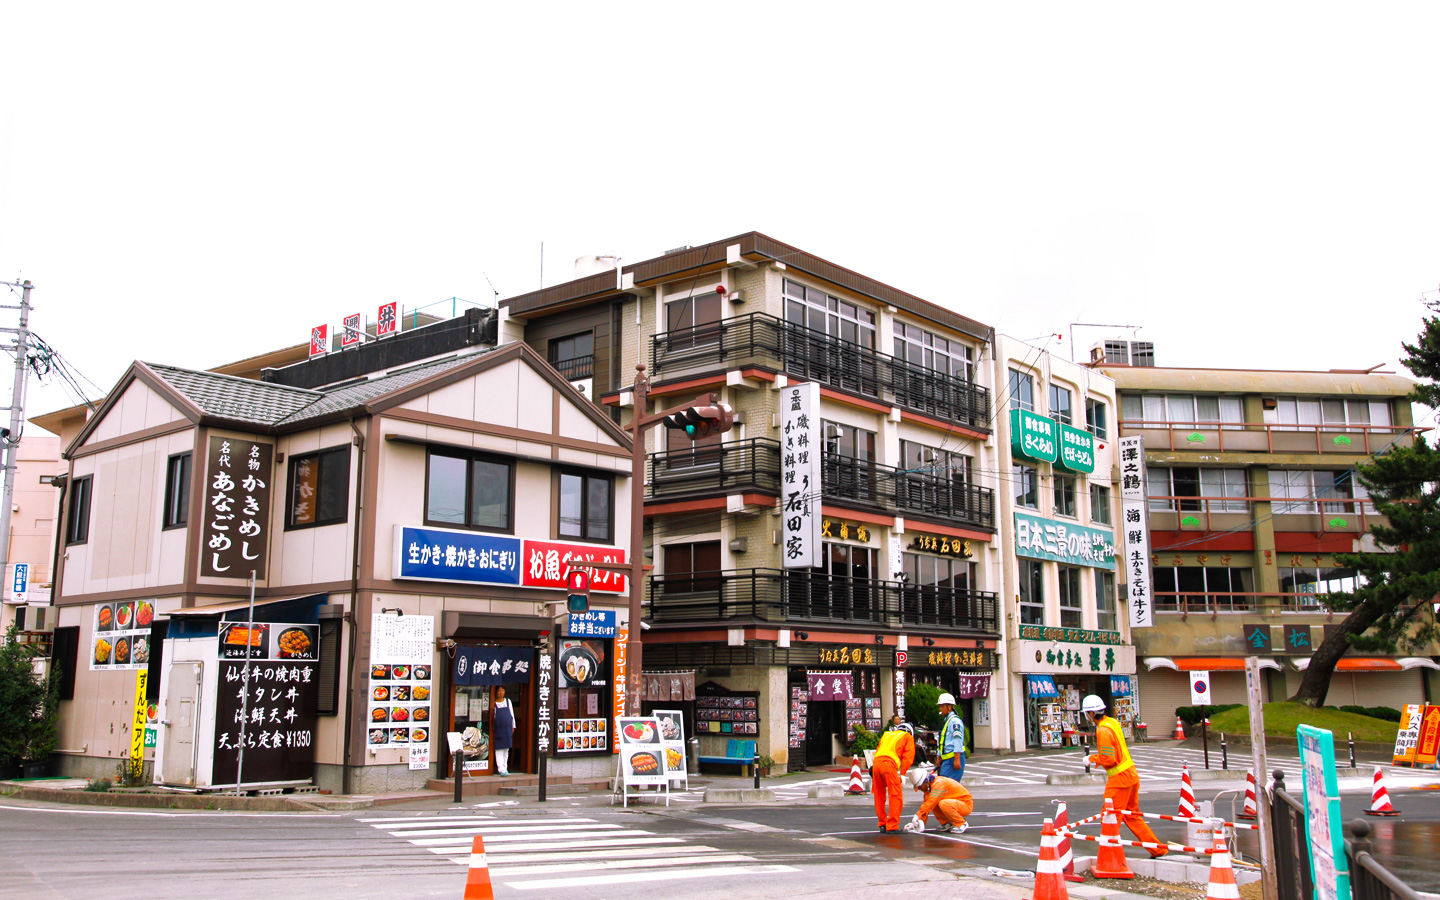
(236, 529)
(1297, 639)
(1257, 638)
(276, 704)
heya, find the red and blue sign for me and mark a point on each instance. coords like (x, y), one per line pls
(469, 557)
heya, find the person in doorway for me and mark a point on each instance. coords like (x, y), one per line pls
(894, 755)
(898, 723)
(1122, 784)
(952, 739)
(502, 727)
(945, 797)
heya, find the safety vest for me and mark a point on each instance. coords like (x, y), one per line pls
(892, 746)
(1116, 739)
(952, 726)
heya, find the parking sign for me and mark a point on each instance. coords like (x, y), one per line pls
(1200, 688)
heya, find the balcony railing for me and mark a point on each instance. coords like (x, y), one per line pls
(576, 367)
(1261, 437)
(805, 354)
(1235, 513)
(749, 465)
(849, 481)
(1195, 603)
(805, 595)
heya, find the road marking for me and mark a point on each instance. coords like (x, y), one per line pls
(197, 813)
(436, 836)
(502, 871)
(553, 883)
(498, 829)
(569, 845)
(610, 853)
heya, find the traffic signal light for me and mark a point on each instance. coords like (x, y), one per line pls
(577, 583)
(702, 421)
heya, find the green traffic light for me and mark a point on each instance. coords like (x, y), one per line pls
(690, 430)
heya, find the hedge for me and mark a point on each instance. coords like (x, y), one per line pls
(1190, 715)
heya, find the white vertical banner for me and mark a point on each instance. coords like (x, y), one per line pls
(801, 449)
(1135, 531)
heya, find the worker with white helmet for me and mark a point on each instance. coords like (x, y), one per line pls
(945, 797)
(952, 739)
(1122, 784)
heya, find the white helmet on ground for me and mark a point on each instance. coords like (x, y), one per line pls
(946, 699)
(1092, 704)
(919, 774)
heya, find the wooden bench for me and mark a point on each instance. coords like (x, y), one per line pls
(737, 753)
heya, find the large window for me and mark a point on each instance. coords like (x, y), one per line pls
(1022, 390)
(1182, 409)
(821, 312)
(1071, 612)
(849, 442)
(846, 469)
(918, 346)
(574, 356)
(1202, 589)
(586, 505)
(469, 490)
(1312, 582)
(1064, 495)
(1026, 482)
(1104, 600)
(1336, 414)
(1184, 482)
(319, 488)
(177, 491)
(77, 517)
(1097, 418)
(1032, 593)
(938, 571)
(692, 568)
(1061, 409)
(692, 322)
(1305, 490)
(1099, 504)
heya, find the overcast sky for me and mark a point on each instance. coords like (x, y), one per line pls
(1254, 184)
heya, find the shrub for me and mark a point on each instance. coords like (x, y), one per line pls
(1190, 715)
(1384, 713)
(97, 785)
(921, 706)
(865, 739)
(29, 704)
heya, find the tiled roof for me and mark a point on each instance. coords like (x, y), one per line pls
(357, 395)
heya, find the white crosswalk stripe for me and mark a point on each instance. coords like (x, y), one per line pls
(1151, 763)
(541, 852)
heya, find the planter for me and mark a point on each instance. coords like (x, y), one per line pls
(39, 769)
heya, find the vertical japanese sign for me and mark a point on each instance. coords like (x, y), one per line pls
(137, 723)
(1329, 869)
(319, 340)
(387, 321)
(542, 704)
(622, 638)
(236, 532)
(279, 717)
(800, 475)
(1407, 738)
(350, 331)
(19, 581)
(1135, 530)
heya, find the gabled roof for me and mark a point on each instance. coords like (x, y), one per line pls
(236, 399)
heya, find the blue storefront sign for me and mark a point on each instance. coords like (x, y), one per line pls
(464, 556)
(1042, 686)
(1120, 686)
(600, 623)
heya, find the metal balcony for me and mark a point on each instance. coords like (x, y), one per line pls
(751, 465)
(854, 481)
(576, 367)
(809, 596)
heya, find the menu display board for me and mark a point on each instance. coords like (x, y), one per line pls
(401, 682)
(799, 709)
(576, 735)
(854, 715)
(672, 738)
(642, 751)
(1052, 723)
(273, 704)
(120, 638)
(728, 714)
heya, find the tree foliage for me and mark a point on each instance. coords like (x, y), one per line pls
(1389, 611)
(29, 704)
(921, 706)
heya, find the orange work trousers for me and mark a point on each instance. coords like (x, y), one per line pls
(886, 786)
(1124, 791)
(955, 811)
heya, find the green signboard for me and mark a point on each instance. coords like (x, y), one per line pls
(1033, 436)
(1329, 869)
(1077, 450)
(1064, 542)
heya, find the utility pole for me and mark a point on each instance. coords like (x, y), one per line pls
(10, 437)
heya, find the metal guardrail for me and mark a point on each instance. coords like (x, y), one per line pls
(576, 367)
(1263, 437)
(1202, 603)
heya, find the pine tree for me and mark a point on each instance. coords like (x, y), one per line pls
(1389, 609)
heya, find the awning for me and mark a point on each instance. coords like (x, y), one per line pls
(1204, 663)
(1375, 664)
(300, 611)
(1042, 686)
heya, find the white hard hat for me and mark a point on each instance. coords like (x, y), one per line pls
(1092, 704)
(919, 774)
(946, 699)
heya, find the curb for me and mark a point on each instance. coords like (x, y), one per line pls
(739, 795)
(1075, 779)
(179, 801)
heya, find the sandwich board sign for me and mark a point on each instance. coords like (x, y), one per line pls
(641, 761)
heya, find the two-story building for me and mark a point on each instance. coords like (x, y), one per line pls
(904, 585)
(1251, 491)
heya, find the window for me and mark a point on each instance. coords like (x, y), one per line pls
(1099, 504)
(1181, 409)
(585, 505)
(846, 469)
(692, 322)
(849, 442)
(574, 356)
(1097, 418)
(918, 346)
(64, 653)
(1060, 409)
(77, 517)
(1032, 593)
(1065, 495)
(1104, 600)
(937, 571)
(931, 478)
(1309, 583)
(1202, 589)
(319, 488)
(829, 315)
(1171, 489)
(177, 491)
(1022, 390)
(1027, 486)
(1306, 486)
(692, 568)
(469, 490)
(1306, 413)
(1071, 615)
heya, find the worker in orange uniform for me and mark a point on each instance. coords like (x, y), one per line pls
(1122, 785)
(894, 755)
(945, 797)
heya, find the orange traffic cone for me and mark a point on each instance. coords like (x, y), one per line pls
(1067, 859)
(1179, 734)
(1187, 793)
(857, 780)
(1049, 879)
(1380, 798)
(1252, 806)
(1222, 875)
(1110, 860)
(477, 883)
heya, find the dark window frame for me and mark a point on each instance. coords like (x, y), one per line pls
(318, 455)
(1065, 495)
(77, 510)
(470, 456)
(585, 476)
(176, 513)
(1097, 418)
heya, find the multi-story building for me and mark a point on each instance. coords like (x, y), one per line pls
(32, 534)
(1251, 492)
(906, 587)
(1065, 636)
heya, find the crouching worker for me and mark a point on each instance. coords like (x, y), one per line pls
(1122, 784)
(894, 755)
(945, 797)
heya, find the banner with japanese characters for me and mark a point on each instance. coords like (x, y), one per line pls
(468, 557)
(800, 455)
(387, 319)
(1135, 531)
(276, 720)
(1066, 542)
(235, 532)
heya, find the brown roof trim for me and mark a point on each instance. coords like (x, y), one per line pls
(133, 437)
(755, 247)
(137, 371)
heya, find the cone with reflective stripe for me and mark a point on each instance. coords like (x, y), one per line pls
(1252, 807)
(1187, 794)
(1049, 879)
(1222, 875)
(1179, 734)
(1380, 798)
(1067, 859)
(477, 883)
(857, 780)
(1110, 860)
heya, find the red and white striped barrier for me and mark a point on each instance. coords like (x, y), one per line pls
(1252, 804)
(1380, 798)
(1196, 819)
(1062, 833)
(1187, 793)
(1148, 845)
